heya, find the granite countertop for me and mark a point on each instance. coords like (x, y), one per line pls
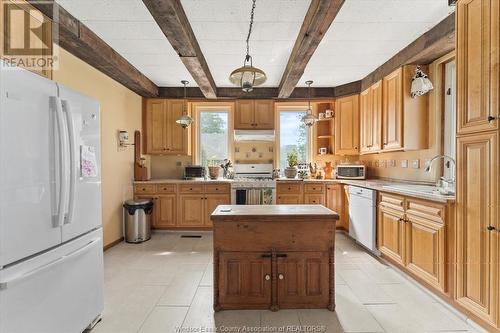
(276, 212)
(176, 181)
(422, 191)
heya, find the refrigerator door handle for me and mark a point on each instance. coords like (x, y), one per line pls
(63, 162)
(83, 249)
(72, 158)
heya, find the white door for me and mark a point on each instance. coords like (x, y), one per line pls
(29, 156)
(59, 291)
(83, 207)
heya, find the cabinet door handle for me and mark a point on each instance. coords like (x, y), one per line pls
(266, 255)
(281, 276)
(281, 255)
(491, 118)
(267, 277)
(490, 228)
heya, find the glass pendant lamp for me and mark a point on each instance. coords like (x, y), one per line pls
(309, 119)
(185, 120)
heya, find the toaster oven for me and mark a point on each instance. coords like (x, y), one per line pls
(194, 171)
(351, 171)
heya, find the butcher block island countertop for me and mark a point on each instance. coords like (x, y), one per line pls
(274, 257)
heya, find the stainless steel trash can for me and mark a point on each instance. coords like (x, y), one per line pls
(137, 224)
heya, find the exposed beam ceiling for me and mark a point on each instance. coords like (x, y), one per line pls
(265, 93)
(172, 20)
(435, 43)
(79, 40)
(318, 19)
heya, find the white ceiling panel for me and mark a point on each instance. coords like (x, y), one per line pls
(221, 27)
(367, 33)
(128, 27)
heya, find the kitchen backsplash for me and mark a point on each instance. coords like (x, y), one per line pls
(253, 152)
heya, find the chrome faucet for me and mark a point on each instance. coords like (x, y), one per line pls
(445, 185)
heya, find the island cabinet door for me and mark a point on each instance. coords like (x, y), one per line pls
(303, 279)
(244, 280)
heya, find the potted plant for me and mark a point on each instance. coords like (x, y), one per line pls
(213, 169)
(292, 159)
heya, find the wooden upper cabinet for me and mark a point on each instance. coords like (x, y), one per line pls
(264, 114)
(347, 125)
(477, 65)
(405, 120)
(371, 119)
(156, 118)
(392, 112)
(254, 114)
(477, 206)
(163, 136)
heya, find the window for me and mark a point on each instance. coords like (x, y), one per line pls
(213, 136)
(293, 135)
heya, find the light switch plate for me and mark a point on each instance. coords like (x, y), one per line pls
(415, 164)
(404, 163)
(383, 163)
(178, 163)
(391, 163)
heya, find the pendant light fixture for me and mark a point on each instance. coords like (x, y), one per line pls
(248, 76)
(309, 119)
(420, 83)
(184, 120)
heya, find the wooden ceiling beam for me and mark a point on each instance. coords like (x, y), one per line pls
(172, 20)
(432, 45)
(79, 40)
(318, 19)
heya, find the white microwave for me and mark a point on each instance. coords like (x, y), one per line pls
(351, 171)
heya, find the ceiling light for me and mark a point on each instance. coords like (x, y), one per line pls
(248, 76)
(184, 120)
(309, 119)
(420, 83)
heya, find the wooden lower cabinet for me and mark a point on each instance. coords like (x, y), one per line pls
(413, 234)
(477, 248)
(211, 202)
(303, 278)
(314, 199)
(289, 199)
(391, 234)
(191, 211)
(166, 209)
(244, 278)
(335, 201)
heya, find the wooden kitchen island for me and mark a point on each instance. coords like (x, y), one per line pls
(274, 257)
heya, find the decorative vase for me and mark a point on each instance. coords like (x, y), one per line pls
(291, 172)
(213, 172)
(328, 170)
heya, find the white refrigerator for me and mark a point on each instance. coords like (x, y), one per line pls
(51, 260)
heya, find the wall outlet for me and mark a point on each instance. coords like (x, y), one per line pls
(383, 164)
(392, 163)
(377, 163)
(415, 164)
(404, 163)
(178, 163)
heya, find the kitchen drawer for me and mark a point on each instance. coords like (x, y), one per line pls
(392, 201)
(166, 188)
(292, 188)
(145, 188)
(191, 188)
(314, 188)
(314, 199)
(432, 211)
(217, 188)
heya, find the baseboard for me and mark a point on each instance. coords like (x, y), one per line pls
(110, 245)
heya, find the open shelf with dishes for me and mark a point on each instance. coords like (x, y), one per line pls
(324, 128)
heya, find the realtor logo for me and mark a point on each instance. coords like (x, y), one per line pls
(28, 36)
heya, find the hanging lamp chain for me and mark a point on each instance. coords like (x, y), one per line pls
(248, 57)
(185, 83)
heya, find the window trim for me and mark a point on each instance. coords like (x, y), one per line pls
(289, 107)
(199, 107)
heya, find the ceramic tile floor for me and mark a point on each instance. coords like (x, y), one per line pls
(165, 285)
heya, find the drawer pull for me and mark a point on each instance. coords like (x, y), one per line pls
(266, 255)
(267, 277)
(282, 255)
(490, 228)
(281, 276)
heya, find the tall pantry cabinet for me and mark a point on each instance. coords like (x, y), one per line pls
(477, 288)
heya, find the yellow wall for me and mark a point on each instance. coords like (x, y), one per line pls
(120, 110)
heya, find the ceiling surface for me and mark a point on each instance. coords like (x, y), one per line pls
(364, 35)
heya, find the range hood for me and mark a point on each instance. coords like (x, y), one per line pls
(254, 135)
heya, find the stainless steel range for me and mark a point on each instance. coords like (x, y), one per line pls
(253, 185)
